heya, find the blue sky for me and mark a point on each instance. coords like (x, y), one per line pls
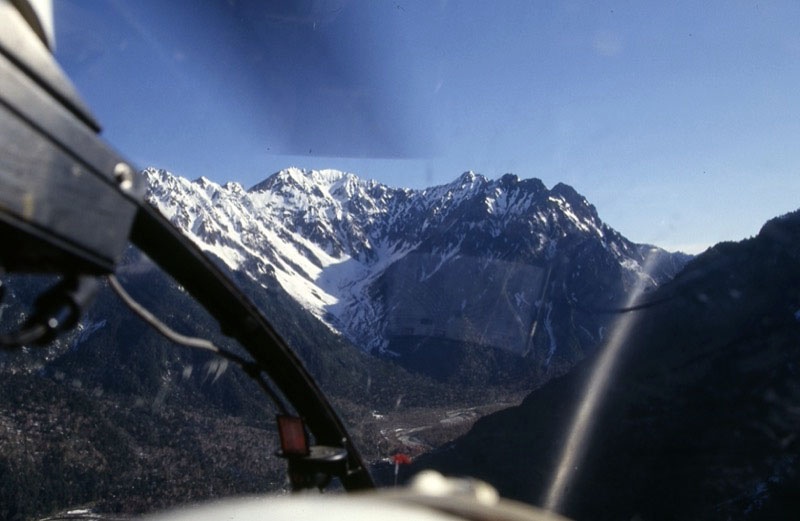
(680, 122)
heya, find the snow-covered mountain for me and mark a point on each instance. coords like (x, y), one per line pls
(499, 263)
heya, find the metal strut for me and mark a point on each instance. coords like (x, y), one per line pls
(240, 319)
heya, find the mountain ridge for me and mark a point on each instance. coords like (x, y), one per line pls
(353, 252)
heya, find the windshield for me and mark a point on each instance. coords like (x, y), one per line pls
(521, 241)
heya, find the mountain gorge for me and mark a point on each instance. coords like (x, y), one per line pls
(501, 267)
(417, 311)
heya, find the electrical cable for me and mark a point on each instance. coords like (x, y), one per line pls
(250, 368)
(628, 309)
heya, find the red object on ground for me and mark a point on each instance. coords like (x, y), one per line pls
(401, 459)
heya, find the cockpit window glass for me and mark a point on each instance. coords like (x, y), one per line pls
(552, 245)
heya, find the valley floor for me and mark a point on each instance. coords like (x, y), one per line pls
(417, 430)
(63, 447)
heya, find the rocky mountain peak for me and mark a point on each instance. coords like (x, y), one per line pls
(356, 252)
